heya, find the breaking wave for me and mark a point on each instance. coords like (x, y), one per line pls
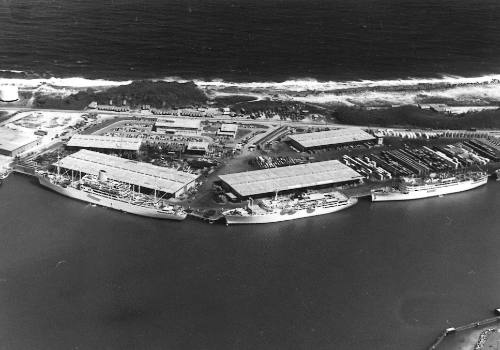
(482, 90)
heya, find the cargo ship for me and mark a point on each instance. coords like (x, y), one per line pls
(416, 188)
(99, 190)
(287, 208)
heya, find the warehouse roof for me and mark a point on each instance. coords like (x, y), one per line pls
(331, 137)
(229, 127)
(178, 123)
(109, 142)
(11, 139)
(289, 177)
(138, 173)
(198, 145)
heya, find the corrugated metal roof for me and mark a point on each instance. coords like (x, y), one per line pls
(108, 142)
(229, 127)
(138, 173)
(331, 137)
(291, 177)
(178, 123)
(196, 145)
(10, 139)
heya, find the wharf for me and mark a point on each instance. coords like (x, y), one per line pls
(19, 169)
(365, 189)
(465, 327)
(206, 215)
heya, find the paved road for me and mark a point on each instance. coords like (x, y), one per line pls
(222, 118)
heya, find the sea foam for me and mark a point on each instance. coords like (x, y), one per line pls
(463, 90)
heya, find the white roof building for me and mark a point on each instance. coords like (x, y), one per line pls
(290, 177)
(198, 146)
(228, 130)
(14, 142)
(178, 123)
(105, 142)
(146, 175)
(330, 137)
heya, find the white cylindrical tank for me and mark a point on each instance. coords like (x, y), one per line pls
(9, 93)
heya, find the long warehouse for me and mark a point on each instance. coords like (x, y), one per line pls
(104, 143)
(147, 176)
(302, 176)
(322, 139)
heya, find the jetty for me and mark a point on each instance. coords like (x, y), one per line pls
(209, 216)
(465, 327)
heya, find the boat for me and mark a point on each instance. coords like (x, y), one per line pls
(99, 190)
(433, 186)
(287, 208)
(497, 172)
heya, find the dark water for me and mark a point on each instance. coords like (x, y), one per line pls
(376, 276)
(250, 40)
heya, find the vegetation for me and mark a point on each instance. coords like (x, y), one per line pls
(3, 116)
(157, 94)
(269, 108)
(224, 101)
(411, 116)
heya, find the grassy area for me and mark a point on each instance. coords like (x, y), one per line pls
(228, 101)
(241, 133)
(411, 116)
(4, 116)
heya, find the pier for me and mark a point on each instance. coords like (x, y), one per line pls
(206, 216)
(465, 327)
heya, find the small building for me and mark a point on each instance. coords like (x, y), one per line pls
(103, 143)
(228, 130)
(145, 177)
(325, 139)
(178, 126)
(197, 147)
(14, 142)
(289, 178)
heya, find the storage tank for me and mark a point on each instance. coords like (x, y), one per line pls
(9, 93)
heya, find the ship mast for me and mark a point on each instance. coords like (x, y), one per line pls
(57, 165)
(156, 185)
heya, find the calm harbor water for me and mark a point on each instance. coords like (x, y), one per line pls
(376, 276)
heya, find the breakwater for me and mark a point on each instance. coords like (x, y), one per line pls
(468, 326)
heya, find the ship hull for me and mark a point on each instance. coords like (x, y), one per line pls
(278, 217)
(434, 192)
(109, 202)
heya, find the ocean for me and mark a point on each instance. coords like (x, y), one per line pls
(61, 46)
(376, 276)
(250, 40)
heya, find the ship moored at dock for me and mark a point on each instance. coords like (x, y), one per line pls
(122, 184)
(417, 188)
(111, 194)
(286, 208)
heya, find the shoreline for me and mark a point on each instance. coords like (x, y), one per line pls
(214, 214)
